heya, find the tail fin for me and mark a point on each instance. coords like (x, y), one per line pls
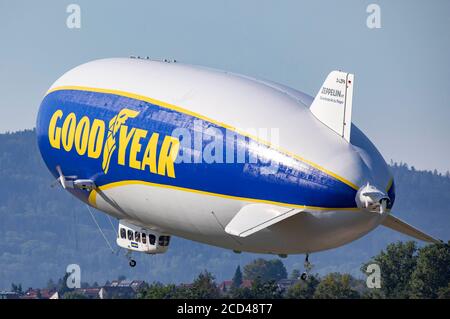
(333, 104)
(399, 225)
(255, 217)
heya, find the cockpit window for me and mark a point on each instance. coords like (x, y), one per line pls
(164, 240)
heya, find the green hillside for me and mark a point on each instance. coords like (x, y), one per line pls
(43, 229)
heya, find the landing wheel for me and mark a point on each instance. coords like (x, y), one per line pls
(308, 266)
(132, 262)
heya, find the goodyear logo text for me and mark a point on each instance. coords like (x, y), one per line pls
(93, 139)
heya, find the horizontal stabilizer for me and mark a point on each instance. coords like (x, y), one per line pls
(397, 224)
(254, 217)
(333, 104)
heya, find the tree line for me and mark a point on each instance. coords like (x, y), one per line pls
(406, 272)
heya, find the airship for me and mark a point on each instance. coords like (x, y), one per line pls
(172, 149)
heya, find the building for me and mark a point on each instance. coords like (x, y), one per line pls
(90, 293)
(109, 292)
(38, 293)
(9, 295)
(133, 284)
(285, 284)
(124, 289)
(225, 286)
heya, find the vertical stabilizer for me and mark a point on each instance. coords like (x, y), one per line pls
(333, 104)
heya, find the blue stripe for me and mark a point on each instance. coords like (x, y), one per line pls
(295, 182)
(391, 194)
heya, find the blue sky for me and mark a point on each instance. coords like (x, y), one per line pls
(402, 74)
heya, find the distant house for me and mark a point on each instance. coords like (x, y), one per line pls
(31, 294)
(246, 283)
(55, 296)
(47, 293)
(134, 284)
(9, 295)
(137, 285)
(123, 289)
(285, 284)
(38, 294)
(90, 293)
(109, 292)
(225, 286)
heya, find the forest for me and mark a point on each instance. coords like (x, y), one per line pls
(44, 229)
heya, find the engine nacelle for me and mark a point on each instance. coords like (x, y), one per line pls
(143, 240)
(371, 199)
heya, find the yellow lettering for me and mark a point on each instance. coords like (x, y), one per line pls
(96, 137)
(168, 155)
(54, 133)
(68, 131)
(124, 139)
(149, 158)
(82, 135)
(136, 148)
(89, 138)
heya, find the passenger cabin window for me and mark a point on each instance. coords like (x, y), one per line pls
(130, 235)
(164, 240)
(144, 238)
(151, 239)
(137, 236)
(123, 233)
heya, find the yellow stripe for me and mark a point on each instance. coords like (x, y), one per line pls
(388, 187)
(93, 195)
(92, 199)
(185, 111)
